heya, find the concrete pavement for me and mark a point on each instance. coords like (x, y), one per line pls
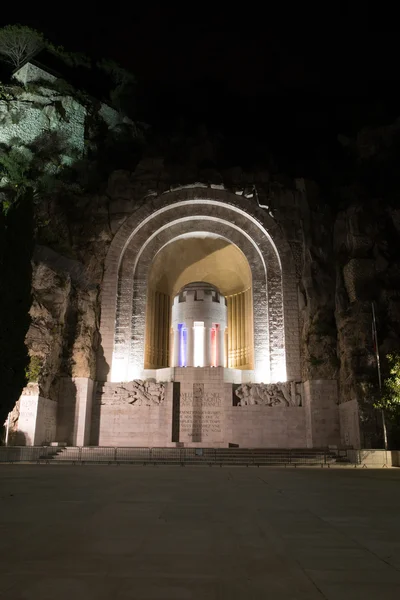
(149, 533)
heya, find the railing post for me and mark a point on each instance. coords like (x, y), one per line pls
(80, 454)
(115, 455)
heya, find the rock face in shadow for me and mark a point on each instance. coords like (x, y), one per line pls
(63, 335)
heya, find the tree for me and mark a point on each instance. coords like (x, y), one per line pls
(16, 249)
(72, 59)
(19, 43)
(25, 175)
(390, 400)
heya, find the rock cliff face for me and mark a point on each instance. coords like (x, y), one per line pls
(45, 104)
(63, 335)
(366, 252)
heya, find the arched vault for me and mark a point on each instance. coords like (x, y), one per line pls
(214, 211)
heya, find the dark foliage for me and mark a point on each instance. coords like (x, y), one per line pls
(16, 248)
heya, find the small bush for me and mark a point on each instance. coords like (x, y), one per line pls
(33, 370)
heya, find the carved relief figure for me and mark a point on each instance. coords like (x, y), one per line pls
(269, 394)
(138, 393)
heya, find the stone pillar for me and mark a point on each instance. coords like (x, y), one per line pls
(74, 410)
(189, 349)
(207, 346)
(37, 418)
(322, 413)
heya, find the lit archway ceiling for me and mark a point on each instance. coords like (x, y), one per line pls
(200, 256)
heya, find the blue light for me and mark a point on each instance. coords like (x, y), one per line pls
(182, 344)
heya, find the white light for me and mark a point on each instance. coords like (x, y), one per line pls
(262, 372)
(119, 370)
(280, 373)
(198, 327)
(134, 372)
(278, 370)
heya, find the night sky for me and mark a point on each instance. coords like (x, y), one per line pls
(296, 78)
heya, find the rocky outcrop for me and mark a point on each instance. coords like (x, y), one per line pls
(366, 253)
(40, 103)
(317, 287)
(26, 115)
(63, 335)
(45, 337)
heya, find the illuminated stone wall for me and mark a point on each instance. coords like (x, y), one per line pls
(197, 410)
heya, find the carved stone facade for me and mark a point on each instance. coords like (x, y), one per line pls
(273, 394)
(136, 393)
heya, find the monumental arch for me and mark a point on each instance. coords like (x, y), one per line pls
(191, 213)
(199, 337)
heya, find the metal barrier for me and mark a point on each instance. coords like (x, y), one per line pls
(178, 456)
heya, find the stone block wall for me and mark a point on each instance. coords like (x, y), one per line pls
(204, 399)
(37, 420)
(266, 427)
(350, 424)
(322, 413)
(74, 412)
(198, 410)
(126, 424)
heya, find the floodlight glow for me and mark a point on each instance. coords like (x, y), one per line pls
(198, 344)
(213, 347)
(119, 369)
(182, 345)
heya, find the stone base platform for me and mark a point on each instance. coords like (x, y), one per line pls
(215, 407)
(191, 406)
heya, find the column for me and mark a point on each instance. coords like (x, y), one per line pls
(167, 313)
(220, 346)
(207, 346)
(189, 359)
(242, 335)
(230, 333)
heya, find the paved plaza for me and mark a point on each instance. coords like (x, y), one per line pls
(173, 533)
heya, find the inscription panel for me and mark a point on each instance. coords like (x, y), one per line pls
(200, 415)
